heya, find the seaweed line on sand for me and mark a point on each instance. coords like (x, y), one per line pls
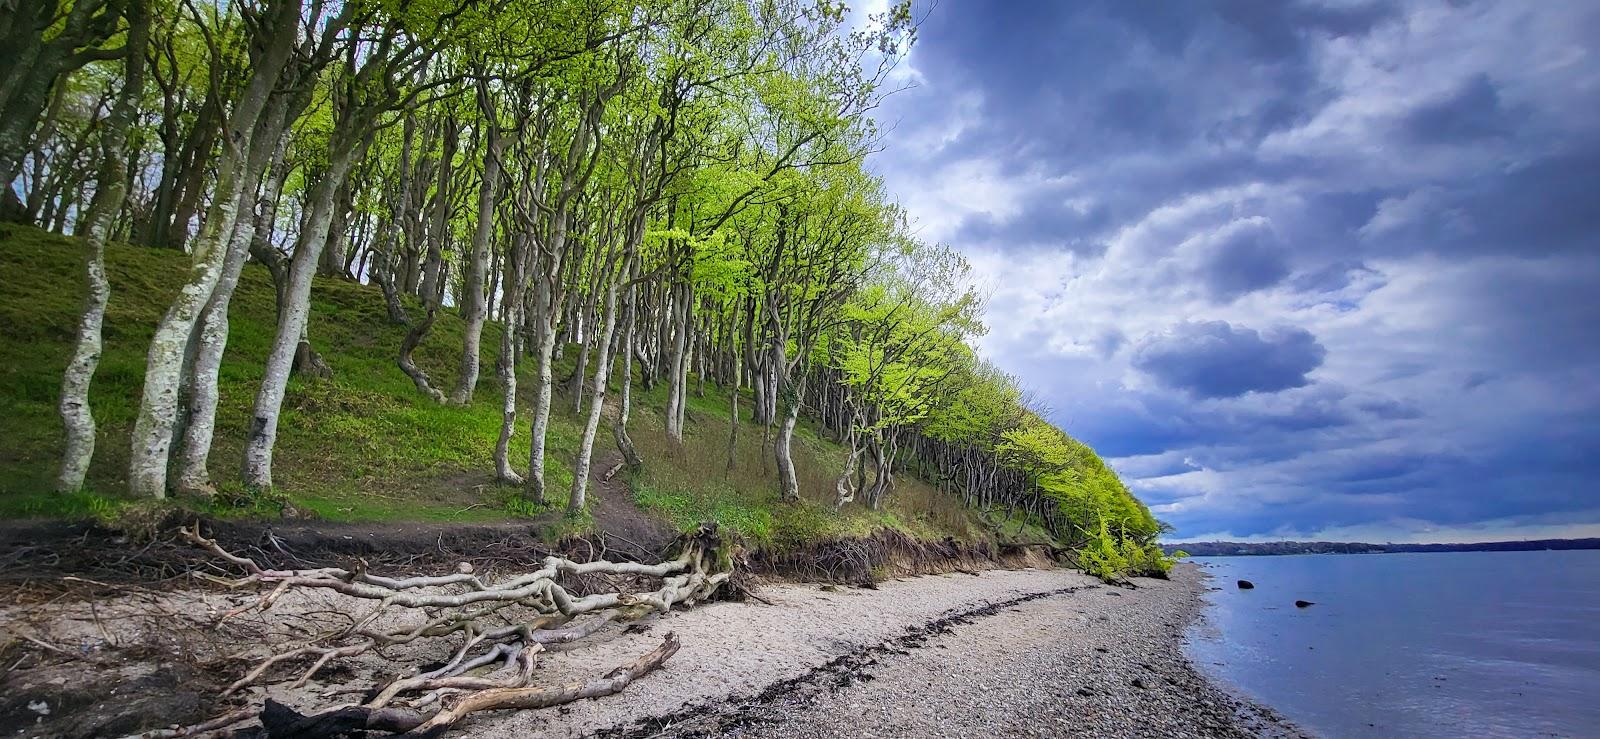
(710, 718)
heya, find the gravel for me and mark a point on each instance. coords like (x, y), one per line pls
(1101, 662)
(1023, 653)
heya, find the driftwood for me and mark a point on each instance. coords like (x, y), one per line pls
(490, 665)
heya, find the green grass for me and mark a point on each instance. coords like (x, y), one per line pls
(692, 482)
(365, 445)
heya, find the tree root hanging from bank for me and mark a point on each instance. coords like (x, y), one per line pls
(491, 665)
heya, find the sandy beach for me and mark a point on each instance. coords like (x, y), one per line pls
(1005, 653)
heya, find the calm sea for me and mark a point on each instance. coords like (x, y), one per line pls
(1412, 645)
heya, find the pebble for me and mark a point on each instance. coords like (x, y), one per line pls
(1013, 674)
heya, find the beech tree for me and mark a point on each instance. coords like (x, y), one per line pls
(661, 192)
(276, 30)
(111, 188)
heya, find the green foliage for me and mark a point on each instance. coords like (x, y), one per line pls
(522, 507)
(710, 153)
(363, 446)
(1103, 558)
(689, 483)
(1113, 557)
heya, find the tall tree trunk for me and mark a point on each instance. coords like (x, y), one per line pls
(158, 408)
(432, 271)
(437, 275)
(292, 317)
(597, 399)
(111, 190)
(472, 303)
(783, 448)
(845, 488)
(194, 477)
(541, 393)
(733, 416)
(506, 365)
(678, 361)
(332, 262)
(619, 429)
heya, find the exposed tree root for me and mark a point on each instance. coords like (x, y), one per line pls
(492, 664)
(282, 721)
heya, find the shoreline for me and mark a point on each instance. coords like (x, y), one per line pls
(1252, 714)
(1008, 652)
(1029, 652)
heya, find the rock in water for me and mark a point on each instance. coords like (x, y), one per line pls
(1246, 585)
(1303, 603)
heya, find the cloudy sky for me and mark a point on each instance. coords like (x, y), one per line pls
(1296, 269)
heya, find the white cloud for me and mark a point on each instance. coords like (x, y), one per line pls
(1433, 356)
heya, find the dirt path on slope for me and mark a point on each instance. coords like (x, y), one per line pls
(617, 519)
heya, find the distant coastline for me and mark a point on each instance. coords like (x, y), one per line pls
(1270, 548)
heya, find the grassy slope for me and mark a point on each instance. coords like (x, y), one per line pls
(366, 446)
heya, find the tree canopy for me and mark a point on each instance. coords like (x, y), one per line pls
(673, 186)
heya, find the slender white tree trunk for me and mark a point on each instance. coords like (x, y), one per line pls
(158, 407)
(194, 477)
(678, 364)
(544, 355)
(212, 334)
(76, 415)
(292, 317)
(597, 399)
(844, 487)
(733, 412)
(541, 413)
(472, 302)
(111, 188)
(783, 448)
(506, 367)
(619, 430)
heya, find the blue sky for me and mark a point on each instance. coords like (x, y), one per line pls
(1315, 268)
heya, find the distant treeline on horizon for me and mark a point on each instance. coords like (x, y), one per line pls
(1236, 548)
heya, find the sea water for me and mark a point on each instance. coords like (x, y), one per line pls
(1411, 645)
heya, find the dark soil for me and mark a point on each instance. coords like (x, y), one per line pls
(38, 557)
(108, 697)
(618, 521)
(889, 553)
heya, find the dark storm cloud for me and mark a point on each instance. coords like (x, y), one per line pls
(1471, 112)
(1243, 261)
(1097, 77)
(1214, 359)
(1045, 220)
(1541, 206)
(1391, 410)
(1410, 182)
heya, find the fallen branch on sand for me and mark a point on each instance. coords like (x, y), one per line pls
(490, 665)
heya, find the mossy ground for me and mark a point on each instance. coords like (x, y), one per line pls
(365, 446)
